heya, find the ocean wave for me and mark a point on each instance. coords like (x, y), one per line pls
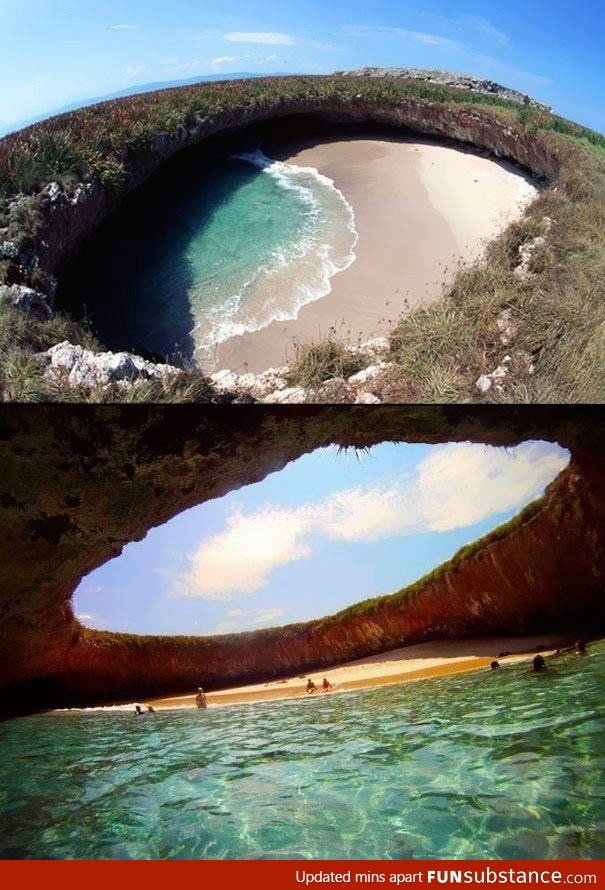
(116, 709)
(323, 255)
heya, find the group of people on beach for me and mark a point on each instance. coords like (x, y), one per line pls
(539, 662)
(311, 687)
(538, 666)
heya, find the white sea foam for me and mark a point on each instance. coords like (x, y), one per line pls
(324, 258)
(113, 709)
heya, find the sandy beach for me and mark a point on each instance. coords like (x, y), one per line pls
(408, 663)
(421, 210)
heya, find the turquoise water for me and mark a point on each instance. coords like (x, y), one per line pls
(208, 250)
(506, 765)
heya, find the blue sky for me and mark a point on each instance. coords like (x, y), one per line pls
(329, 530)
(55, 52)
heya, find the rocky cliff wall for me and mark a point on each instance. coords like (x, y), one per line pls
(78, 485)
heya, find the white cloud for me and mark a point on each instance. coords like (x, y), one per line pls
(222, 60)
(266, 616)
(121, 27)
(189, 67)
(404, 34)
(272, 37)
(455, 487)
(238, 619)
(132, 73)
(95, 622)
(242, 557)
(485, 26)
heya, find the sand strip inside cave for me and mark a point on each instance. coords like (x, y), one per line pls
(421, 210)
(408, 663)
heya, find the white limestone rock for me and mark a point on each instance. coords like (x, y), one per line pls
(290, 395)
(54, 192)
(367, 398)
(483, 383)
(9, 250)
(507, 327)
(26, 300)
(526, 251)
(83, 367)
(372, 372)
(377, 346)
(225, 380)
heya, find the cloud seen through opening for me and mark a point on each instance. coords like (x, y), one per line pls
(454, 487)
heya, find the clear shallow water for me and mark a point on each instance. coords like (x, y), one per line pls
(209, 250)
(506, 765)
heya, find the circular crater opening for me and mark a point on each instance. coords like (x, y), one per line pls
(331, 529)
(240, 247)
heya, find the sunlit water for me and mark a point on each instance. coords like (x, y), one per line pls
(502, 765)
(209, 250)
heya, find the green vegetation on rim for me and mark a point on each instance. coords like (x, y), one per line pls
(439, 350)
(98, 138)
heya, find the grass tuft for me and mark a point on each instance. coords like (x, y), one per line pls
(317, 362)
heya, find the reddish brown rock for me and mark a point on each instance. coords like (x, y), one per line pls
(77, 484)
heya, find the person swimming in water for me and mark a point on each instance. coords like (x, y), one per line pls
(495, 664)
(539, 664)
(200, 699)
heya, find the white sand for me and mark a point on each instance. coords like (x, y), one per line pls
(439, 658)
(421, 210)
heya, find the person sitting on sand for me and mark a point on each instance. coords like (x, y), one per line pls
(200, 699)
(326, 685)
(539, 664)
(495, 665)
(311, 687)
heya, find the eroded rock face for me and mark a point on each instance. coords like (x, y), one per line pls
(77, 485)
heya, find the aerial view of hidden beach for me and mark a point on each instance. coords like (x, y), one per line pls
(302, 455)
(303, 232)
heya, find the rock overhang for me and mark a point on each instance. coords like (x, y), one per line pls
(80, 484)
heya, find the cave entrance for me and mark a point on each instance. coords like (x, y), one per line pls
(333, 528)
(271, 234)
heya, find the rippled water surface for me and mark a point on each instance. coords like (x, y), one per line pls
(506, 765)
